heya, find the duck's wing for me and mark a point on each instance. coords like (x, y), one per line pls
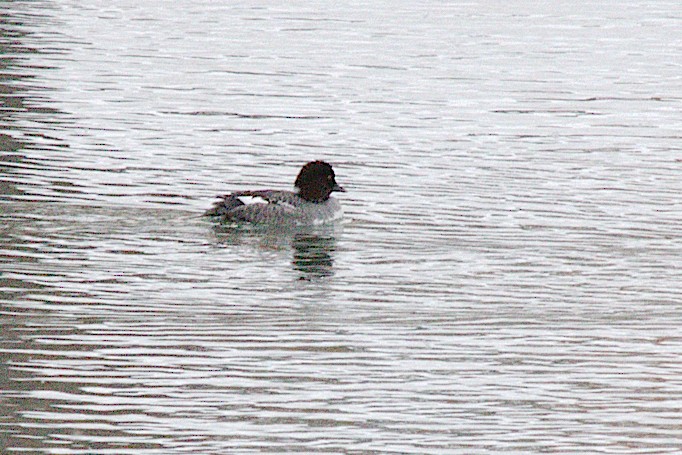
(269, 196)
(272, 202)
(224, 205)
(276, 214)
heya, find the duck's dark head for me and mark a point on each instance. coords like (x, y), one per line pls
(316, 181)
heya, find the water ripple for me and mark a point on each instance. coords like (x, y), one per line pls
(505, 279)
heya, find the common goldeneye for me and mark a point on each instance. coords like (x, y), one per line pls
(311, 204)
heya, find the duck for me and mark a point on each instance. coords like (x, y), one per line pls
(310, 203)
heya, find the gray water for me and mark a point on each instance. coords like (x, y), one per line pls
(507, 278)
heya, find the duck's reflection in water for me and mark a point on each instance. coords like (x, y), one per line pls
(313, 255)
(312, 248)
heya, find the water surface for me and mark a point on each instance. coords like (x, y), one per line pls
(506, 279)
